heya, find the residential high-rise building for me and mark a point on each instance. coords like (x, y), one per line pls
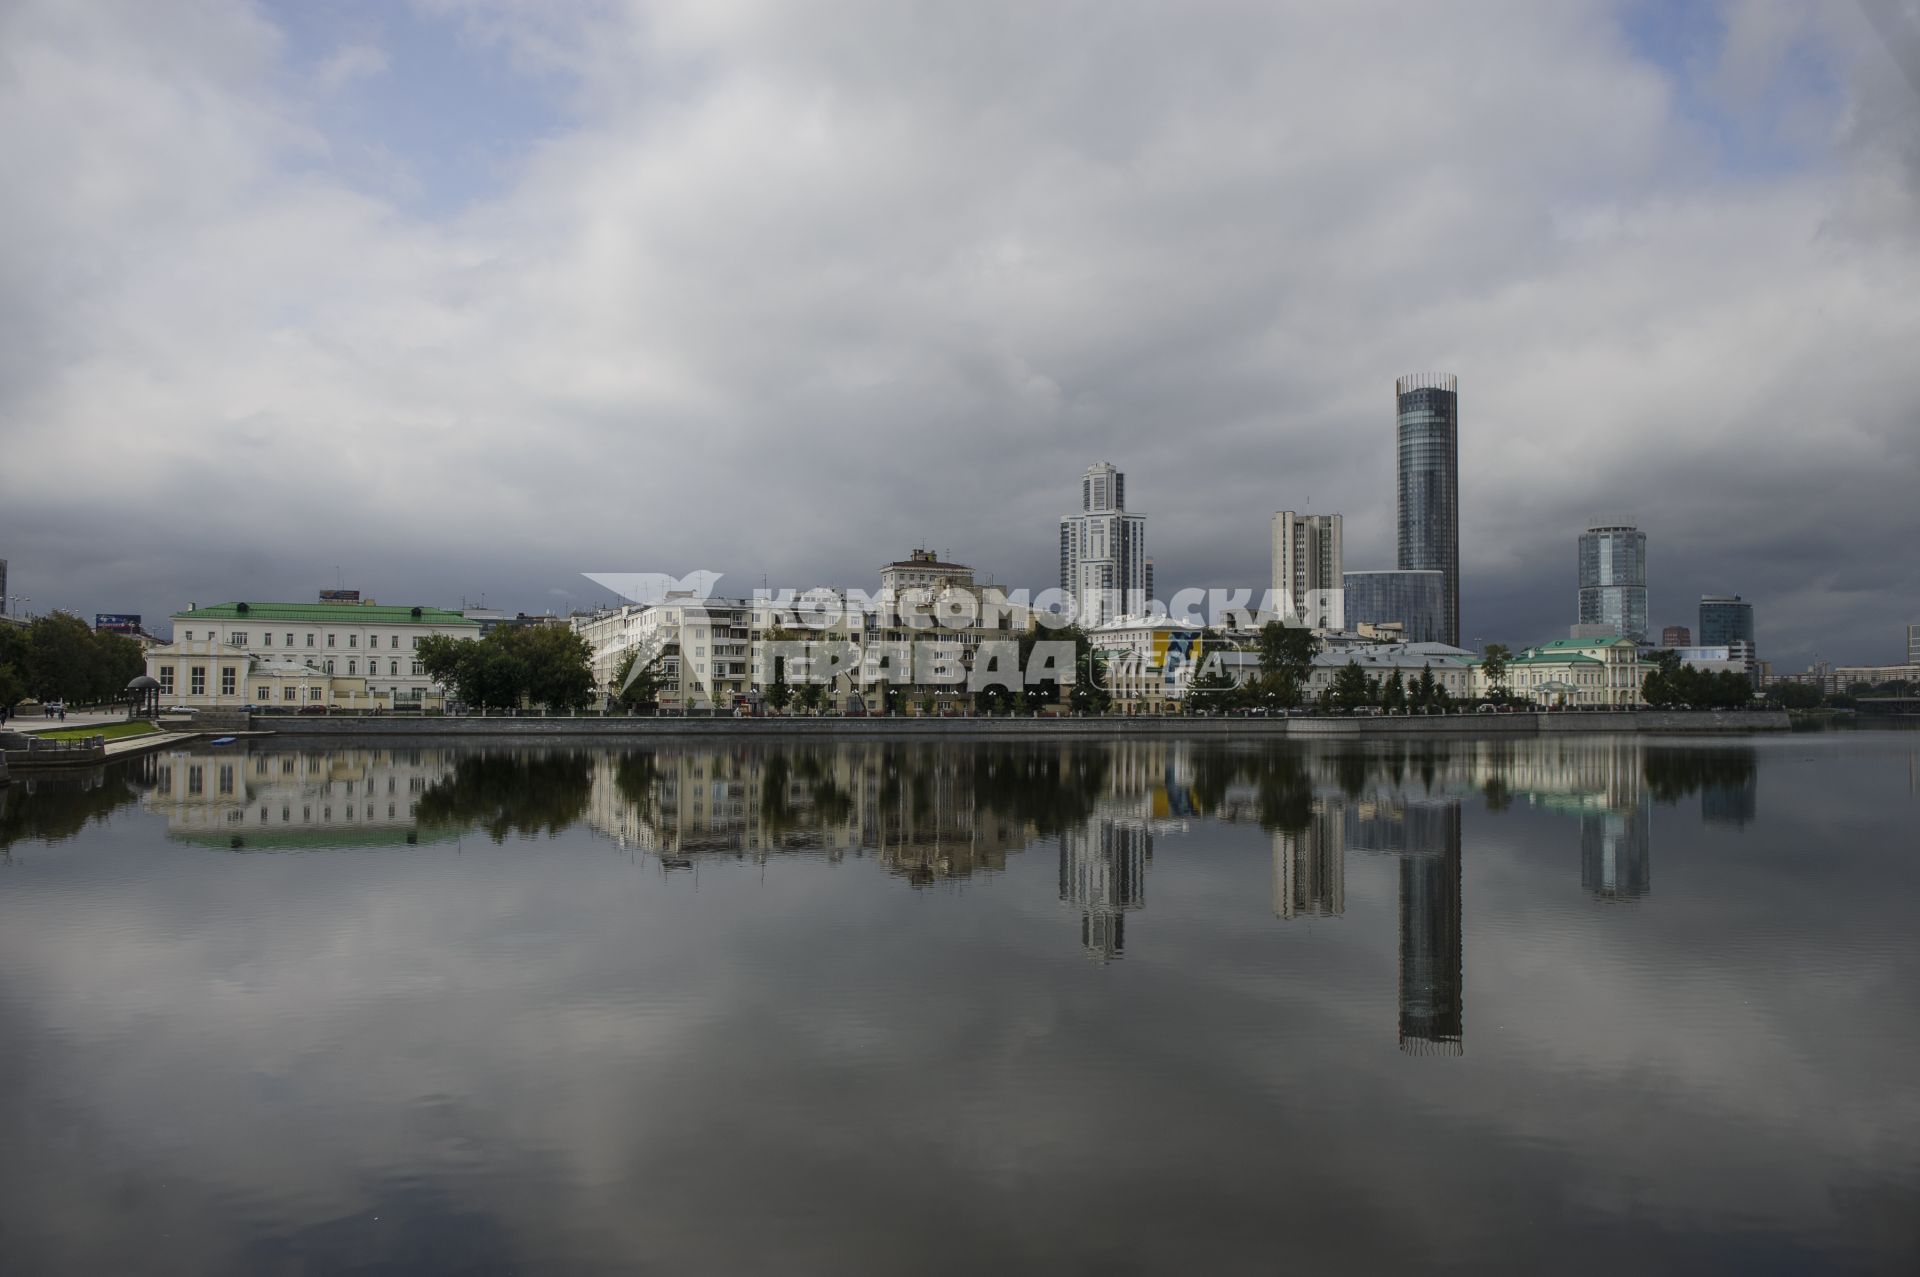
(1676, 636)
(1913, 631)
(1613, 581)
(1427, 417)
(1725, 621)
(1307, 577)
(1417, 601)
(1103, 550)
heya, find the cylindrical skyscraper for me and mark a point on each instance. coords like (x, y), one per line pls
(1613, 580)
(1427, 408)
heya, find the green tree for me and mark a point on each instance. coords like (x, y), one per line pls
(1287, 649)
(1090, 693)
(1212, 688)
(62, 662)
(813, 694)
(513, 665)
(1423, 690)
(1493, 663)
(633, 687)
(1393, 697)
(1795, 695)
(1349, 689)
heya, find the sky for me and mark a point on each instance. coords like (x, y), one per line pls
(457, 299)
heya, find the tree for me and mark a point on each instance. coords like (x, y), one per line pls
(812, 695)
(1424, 689)
(1287, 649)
(1090, 693)
(1493, 664)
(533, 664)
(1212, 688)
(1393, 697)
(1795, 695)
(636, 686)
(1349, 689)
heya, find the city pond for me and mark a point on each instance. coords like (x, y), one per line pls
(1572, 1005)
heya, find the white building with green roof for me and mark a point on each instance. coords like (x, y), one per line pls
(347, 656)
(1604, 672)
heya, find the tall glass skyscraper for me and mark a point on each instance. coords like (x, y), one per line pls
(1725, 621)
(1613, 580)
(1417, 600)
(1427, 410)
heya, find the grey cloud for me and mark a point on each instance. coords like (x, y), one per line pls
(794, 289)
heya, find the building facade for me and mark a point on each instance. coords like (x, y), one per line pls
(1613, 581)
(1416, 601)
(1308, 580)
(294, 655)
(1725, 620)
(1103, 550)
(1676, 636)
(1596, 672)
(1913, 642)
(1427, 418)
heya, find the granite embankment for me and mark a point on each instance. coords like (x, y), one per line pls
(1643, 722)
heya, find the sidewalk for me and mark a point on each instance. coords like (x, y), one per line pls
(77, 718)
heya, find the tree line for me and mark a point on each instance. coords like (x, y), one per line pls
(513, 667)
(59, 657)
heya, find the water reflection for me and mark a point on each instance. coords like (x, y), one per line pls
(549, 1041)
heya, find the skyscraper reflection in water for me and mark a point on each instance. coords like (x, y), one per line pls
(1310, 865)
(1431, 981)
(1616, 853)
(1103, 873)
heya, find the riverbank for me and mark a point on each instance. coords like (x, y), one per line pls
(1641, 722)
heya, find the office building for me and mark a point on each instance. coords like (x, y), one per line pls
(1676, 636)
(1307, 576)
(1613, 583)
(1416, 601)
(1913, 631)
(1725, 621)
(1427, 418)
(1103, 550)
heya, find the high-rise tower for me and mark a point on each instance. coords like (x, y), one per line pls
(1613, 581)
(1103, 550)
(1427, 415)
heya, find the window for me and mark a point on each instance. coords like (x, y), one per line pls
(290, 641)
(291, 694)
(197, 680)
(226, 778)
(393, 668)
(329, 665)
(416, 642)
(350, 665)
(393, 640)
(313, 693)
(262, 694)
(309, 639)
(353, 640)
(418, 668)
(228, 680)
(238, 638)
(196, 780)
(187, 636)
(266, 640)
(166, 680)
(329, 640)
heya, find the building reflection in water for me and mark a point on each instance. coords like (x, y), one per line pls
(1103, 874)
(265, 798)
(1616, 853)
(1310, 864)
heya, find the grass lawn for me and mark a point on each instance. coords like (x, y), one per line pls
(112, 731)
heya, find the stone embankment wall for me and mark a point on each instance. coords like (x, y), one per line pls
(1455, 725)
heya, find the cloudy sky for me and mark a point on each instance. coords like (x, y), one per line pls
(466, 297)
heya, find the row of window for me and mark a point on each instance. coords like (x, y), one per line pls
(244, 638)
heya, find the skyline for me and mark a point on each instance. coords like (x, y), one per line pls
(462, 299)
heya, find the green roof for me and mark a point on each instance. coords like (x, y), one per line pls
(338, 613)
(1555, 658)
(1566, 644)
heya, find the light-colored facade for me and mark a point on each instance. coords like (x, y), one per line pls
(1103, 550)
(1451, 666)
(268, 799)
(1605, 672)
(1308, 578)
(293, 655)
(1149, 662)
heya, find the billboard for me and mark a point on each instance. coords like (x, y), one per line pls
(128, 622)
(339, 596)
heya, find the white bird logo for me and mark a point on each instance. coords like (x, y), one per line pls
(654, 587)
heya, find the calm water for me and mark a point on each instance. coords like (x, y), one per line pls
(1573, 1006)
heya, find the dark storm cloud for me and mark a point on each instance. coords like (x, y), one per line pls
(785, 291)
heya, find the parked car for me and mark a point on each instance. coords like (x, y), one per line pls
(313, 709)
(179, 709)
